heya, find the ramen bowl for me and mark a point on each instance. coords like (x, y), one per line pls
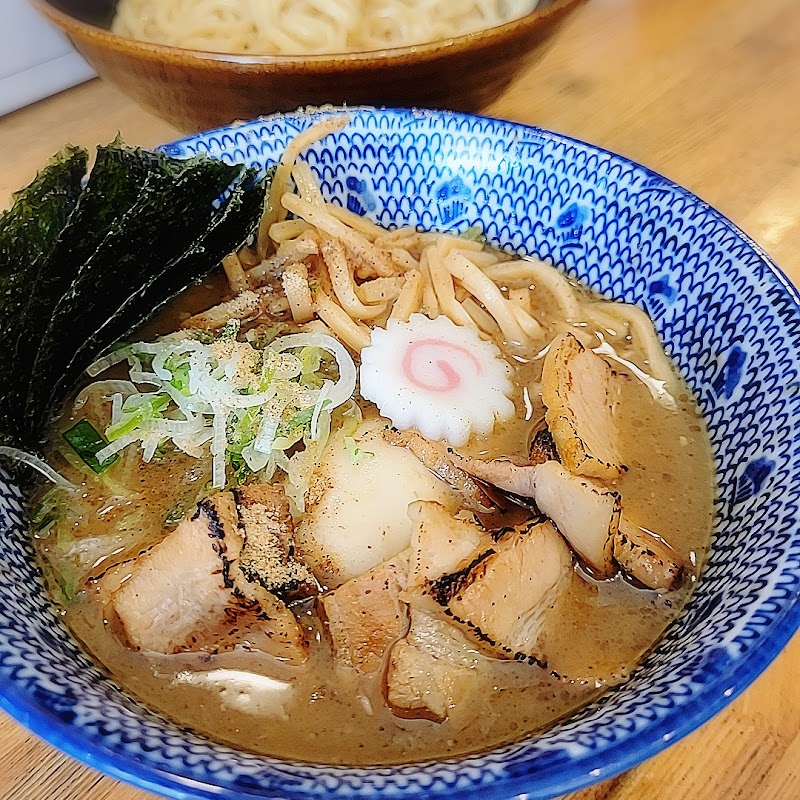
(729, 319)
(196, 90)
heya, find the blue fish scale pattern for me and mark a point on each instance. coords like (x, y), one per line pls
(726, 316)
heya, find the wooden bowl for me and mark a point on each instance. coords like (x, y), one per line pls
(196, 90)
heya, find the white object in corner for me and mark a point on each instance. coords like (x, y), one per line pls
(36, 59)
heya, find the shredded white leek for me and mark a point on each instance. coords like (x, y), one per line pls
(104, 362)
(343, 390)
(109, 388)
(15, 454)
(245, 405)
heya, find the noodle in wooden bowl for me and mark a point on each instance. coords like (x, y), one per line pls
(309, 27)
(217, 75)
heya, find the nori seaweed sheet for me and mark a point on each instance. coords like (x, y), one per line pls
(29, 233)
(81, 266)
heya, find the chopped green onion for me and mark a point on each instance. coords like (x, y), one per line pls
(351, 418)
(180, 375)
(87, 443)
(230, 330)
(145, 359)
(355, 453)
(247, 406)
(147, 407)
(241, 471)
(68, 587)
(310, 357)
(46, 514)
(263, 335)
(301, 419)
(473, 234)
(174, 515)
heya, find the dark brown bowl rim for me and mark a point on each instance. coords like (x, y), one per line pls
(422, 52)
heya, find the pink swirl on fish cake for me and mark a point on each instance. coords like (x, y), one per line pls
(451, 377)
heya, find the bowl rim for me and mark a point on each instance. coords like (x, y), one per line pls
(441, 48)
(550, 783)
(648, 744)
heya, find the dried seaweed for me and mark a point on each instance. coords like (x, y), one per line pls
(29, 233)
(82, 265)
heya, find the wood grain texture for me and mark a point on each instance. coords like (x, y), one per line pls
(708, 94)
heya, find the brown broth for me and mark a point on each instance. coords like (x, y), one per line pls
(330, 718)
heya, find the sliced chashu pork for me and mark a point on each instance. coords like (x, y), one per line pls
(590, 517)
(268, 552)
(469, 591)
(576, 392)
(646, 557)
(366, 616)
(542, 447)
(502, 597)
(432, 670)
(440, 543)
(269, 625)
(435, 456)
(584, 512)
(369, 614)
(357, 507)
(187, 593)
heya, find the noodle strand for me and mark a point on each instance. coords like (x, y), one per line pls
(308, 27)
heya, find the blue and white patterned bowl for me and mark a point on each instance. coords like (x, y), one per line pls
(728, 317)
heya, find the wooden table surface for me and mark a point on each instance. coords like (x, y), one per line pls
(706, 92)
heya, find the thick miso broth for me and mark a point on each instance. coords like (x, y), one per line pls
(329, 714)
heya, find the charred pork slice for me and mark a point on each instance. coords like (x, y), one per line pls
(366, 616)
(576, 391)
(646, 558)
(542, 447)
(268, 553)
(440, 542)
(437, 459)
(504, 595)
(186, 593)
(178, 589)
(586, 513)
(430, 671)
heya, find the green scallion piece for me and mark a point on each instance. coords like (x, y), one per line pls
(87, 443)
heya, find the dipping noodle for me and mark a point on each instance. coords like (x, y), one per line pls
(308, 27)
